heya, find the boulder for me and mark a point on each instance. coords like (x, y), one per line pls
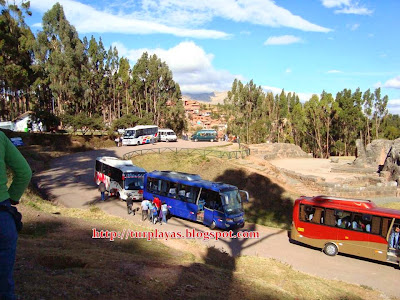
(278, 150)
(374, 154)
(392, 162)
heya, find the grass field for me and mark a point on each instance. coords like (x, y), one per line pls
(57, 258)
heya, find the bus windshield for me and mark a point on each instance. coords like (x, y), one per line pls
(134, 182)
(129, 133)
(232, 202)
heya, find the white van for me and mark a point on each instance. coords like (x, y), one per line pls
(167, 135)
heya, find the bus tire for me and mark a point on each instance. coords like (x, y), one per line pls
(196, 140)
(213, 225)
(211, 140)
(330, 249)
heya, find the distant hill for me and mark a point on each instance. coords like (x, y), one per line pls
(206, 97)
(213, 97)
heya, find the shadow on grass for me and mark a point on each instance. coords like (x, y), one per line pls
(64, 261)
(267, 204)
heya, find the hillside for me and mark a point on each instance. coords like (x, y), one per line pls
(210, 98)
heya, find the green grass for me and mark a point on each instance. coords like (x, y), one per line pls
(63, 261)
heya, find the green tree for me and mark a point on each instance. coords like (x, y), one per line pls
(380, 110)
(16, 53)
(64, 60)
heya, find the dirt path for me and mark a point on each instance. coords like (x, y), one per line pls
(70, 182)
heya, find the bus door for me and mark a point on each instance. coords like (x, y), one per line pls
(213, 210)
(393, 237)
(189, 195)
(379, 239)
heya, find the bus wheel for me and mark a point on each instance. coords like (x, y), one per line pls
(195, 140)
(211, 140)
(330, 249)
(213, 225)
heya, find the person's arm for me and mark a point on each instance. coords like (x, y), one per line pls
(20, 167)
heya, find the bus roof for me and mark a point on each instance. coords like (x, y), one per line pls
(165, 129)
(358, 205)
(141, 127)
(125, 166)
(190, 179)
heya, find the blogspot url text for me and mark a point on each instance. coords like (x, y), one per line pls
(158, 234)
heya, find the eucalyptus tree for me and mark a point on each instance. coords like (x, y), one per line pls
(64, 60)
(16, 54)
(314, 125)
(244, 106)
(380, 109)
(95, 94)
(368, 99)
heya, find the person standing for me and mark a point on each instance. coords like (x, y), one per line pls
(157, 203)
(395, 237)
(145, 209)
(102, 189)
(164, 212)
(11, 157)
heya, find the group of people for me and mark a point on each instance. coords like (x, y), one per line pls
(118, 141)
(155, 211)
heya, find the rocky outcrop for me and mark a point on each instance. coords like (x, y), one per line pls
(374, 154)
(391, 166)
(278, 150)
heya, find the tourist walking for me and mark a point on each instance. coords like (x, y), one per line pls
(102, 189)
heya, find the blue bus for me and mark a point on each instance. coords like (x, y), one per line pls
(214, 204)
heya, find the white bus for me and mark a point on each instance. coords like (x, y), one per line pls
(122, 178)
(139, 135)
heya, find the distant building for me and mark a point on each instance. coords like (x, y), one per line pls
(7, 125)
(22, 121)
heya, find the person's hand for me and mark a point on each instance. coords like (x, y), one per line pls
(13, 202)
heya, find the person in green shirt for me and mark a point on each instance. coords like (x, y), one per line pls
(22, 173)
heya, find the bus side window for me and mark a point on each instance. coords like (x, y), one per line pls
(318, 216)
(98, 166)
(376, 225)
(172, 189)
(385, 226)
(164, 188)
(366, 219)
(330, 218)
(302, 212)
(191, 195)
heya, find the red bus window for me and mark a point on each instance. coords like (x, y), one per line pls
(385, 226)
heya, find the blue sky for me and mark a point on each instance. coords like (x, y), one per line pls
(300, 46)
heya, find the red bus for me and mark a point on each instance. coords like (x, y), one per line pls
(352, 226)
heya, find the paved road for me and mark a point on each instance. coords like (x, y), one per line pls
(70, 181)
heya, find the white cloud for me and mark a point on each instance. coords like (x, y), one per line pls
(177, 17)
(334, 72)
(347, 7)
(394, 106)
(354, 27)
(191, 66)
(282, 40)
(335, 3)
(393, 83)
(87, 19)
(288, 70)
